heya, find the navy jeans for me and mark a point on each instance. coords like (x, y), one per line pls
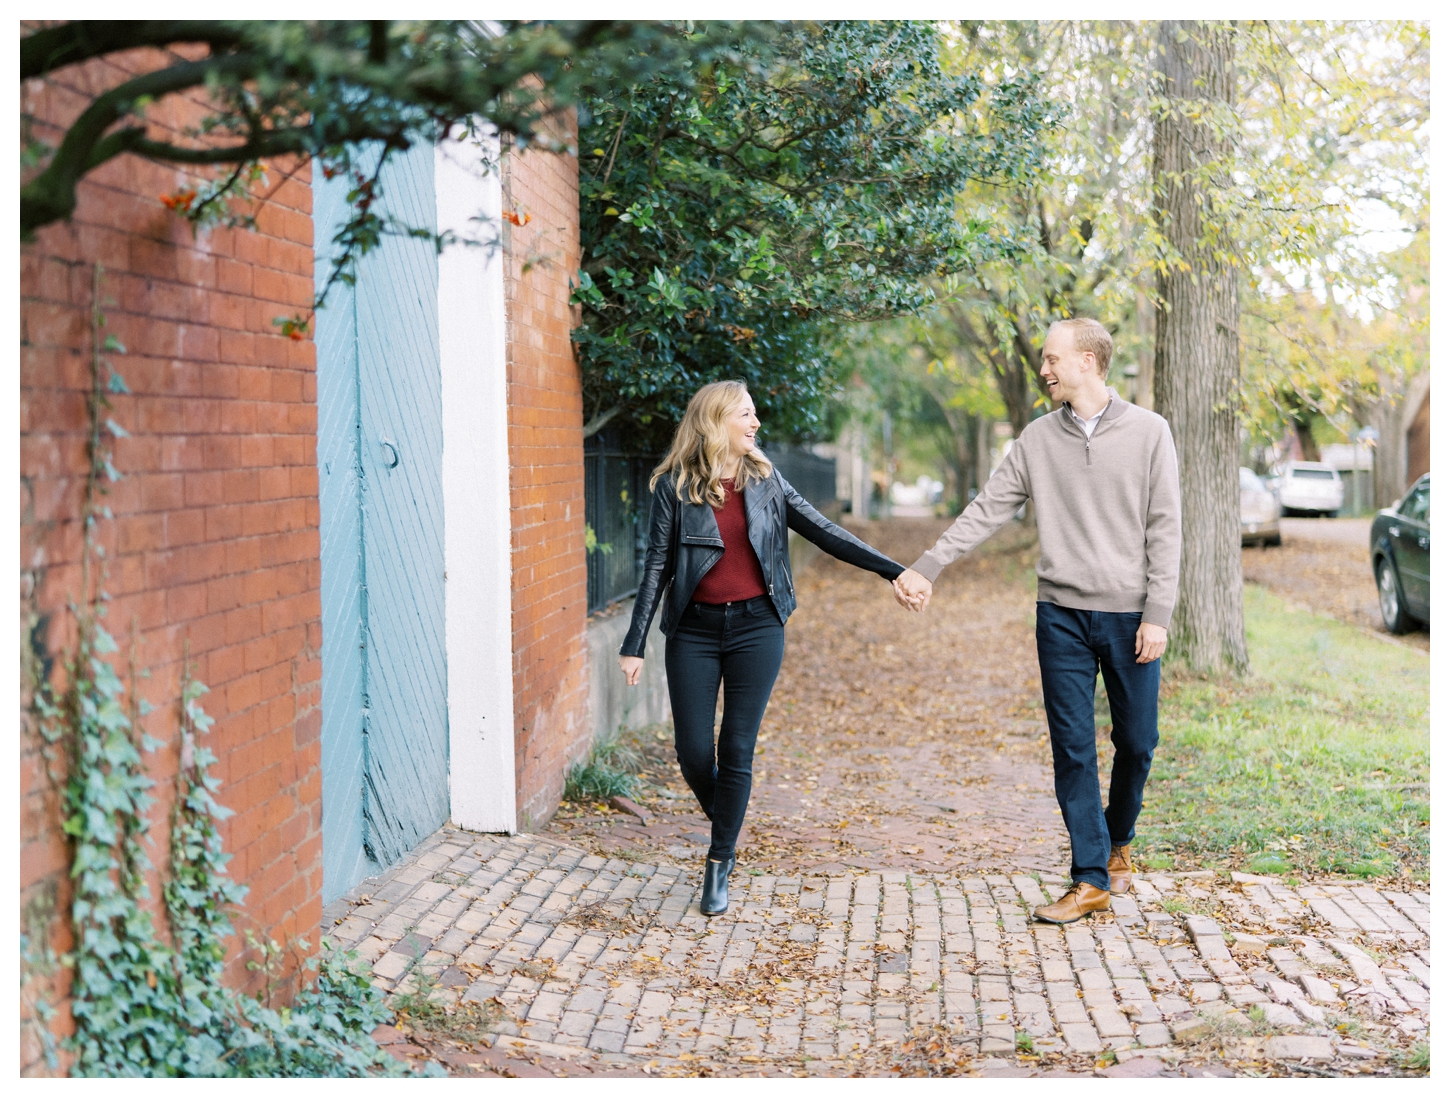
(1072, 647)
(741, 643)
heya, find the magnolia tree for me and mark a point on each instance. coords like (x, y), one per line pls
(734, 217)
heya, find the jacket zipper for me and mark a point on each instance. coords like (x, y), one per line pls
(1089, 447)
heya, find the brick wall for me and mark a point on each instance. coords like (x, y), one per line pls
(546, 450)
(215, 541)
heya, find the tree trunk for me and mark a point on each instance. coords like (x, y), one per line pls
(984, 450)
(1143, 313)
(1015, 369)
(1307, 446)
(1196, 353)
(966, 458)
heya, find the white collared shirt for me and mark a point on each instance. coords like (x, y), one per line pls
(1088, 425)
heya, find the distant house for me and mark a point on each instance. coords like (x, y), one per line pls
(1417, 433)
(371, 542)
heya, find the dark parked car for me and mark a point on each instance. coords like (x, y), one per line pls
(1399, 546)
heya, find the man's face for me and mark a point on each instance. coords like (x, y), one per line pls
(1064, 368)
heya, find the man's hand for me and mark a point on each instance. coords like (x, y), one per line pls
(1151, 643)
(631, 666)
(912, 590)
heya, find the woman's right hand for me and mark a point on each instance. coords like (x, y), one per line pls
(631, 666)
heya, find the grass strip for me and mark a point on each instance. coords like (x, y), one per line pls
(1317, 762)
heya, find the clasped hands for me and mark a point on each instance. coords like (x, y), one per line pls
(912, 590)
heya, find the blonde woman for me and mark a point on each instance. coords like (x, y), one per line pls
(719, 560)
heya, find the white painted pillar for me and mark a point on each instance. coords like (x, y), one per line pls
(478, 614)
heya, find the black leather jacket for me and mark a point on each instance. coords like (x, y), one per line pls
(685, 543)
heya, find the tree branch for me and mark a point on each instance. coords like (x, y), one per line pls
(71, 43)
(597, 424)
(51, 196)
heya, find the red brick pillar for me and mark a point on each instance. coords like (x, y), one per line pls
(546, 471)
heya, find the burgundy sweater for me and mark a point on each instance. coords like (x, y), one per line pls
(736, 576)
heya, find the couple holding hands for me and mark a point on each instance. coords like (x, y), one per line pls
(1103, 476)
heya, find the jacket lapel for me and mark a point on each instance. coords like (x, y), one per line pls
(757, 493)
(698, 525)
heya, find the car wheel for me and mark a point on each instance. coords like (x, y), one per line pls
(1274, 540)
(1392, 603)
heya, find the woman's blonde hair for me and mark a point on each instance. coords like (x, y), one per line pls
(697, 456)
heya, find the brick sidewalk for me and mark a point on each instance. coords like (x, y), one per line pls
(902, 826)
(608, 965)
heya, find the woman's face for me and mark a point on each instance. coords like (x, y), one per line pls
(741, 426)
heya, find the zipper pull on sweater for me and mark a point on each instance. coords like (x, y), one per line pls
(1088, 446)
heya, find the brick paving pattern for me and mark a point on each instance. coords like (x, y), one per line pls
(607, 962)
(902, 827)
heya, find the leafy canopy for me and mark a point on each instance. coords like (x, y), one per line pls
(325, 90)
(1324, 177)
(732, 214)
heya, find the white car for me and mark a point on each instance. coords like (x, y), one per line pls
(1311, 488)
(1258, 510)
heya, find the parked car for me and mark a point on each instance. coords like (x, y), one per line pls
(1311, 488)
(1399, 546)
(1258, 510)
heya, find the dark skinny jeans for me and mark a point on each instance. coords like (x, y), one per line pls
(1072, 647)
(741, 643)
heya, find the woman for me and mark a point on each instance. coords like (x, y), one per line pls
(719, 560)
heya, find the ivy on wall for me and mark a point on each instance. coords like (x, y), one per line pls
(143, 1007)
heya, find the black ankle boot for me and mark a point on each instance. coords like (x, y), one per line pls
(714, 896)
(730, 866)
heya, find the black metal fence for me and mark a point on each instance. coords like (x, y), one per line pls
(616, 508)
(809, 474)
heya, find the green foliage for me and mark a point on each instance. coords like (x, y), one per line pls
(198, 893)
(1268, 861)
(731, 214)
(141, 1007)
(1325, 177)
(609, 771)
(1318, 763)
(421, 1013)
(592, 544)
(348, 94)
(938, 398)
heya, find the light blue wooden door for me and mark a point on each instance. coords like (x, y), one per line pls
(380, 455)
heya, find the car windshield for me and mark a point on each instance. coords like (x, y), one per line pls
(1417, 504)
(1313, 474)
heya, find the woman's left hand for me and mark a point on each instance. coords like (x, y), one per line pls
(912, 590)
(631, 666)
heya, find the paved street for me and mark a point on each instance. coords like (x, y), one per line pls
(1324, 565)
(903, 824)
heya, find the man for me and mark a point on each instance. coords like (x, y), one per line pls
(1103, 476)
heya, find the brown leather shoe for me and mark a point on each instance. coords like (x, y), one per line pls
(1080, 901)
(1120, 871)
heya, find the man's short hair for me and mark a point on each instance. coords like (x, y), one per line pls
(1088, 335)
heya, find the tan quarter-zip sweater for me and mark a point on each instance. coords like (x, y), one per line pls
(1107, 511)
